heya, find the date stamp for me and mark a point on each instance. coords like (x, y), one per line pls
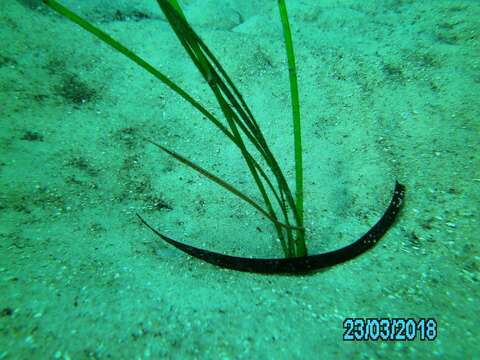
(389, 329)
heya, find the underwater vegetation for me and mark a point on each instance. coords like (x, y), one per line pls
(280, 205)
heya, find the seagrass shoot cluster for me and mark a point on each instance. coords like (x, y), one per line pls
(279, 204)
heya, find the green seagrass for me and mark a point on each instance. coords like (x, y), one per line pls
(239, 124)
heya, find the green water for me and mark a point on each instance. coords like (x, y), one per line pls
(388, 90)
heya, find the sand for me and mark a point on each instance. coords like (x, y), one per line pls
(389, 90)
